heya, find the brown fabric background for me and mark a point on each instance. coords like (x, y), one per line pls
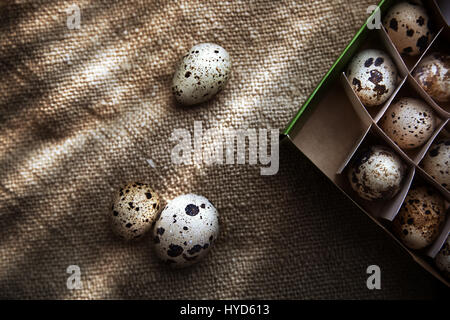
(81, 111)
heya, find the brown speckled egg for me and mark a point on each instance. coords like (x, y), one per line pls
(420, 218)
(202, 73)
(186, 230)
(409, 123)
(376, 173)
(372, 75)
(408, 26)
(433, 75)
(436, 162)
(442, 259)
(134, 210)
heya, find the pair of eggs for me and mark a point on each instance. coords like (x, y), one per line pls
(409, 122)
(183, 232)
(409, 27)
(377, 173)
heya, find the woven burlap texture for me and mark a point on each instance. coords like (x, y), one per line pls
(84, 110)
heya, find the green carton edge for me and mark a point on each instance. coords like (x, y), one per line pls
(337, 66)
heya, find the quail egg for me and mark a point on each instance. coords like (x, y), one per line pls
(134, 210)
(420, 218)
(442, 259)
(201, 74)
(376, 173)
(433, 75)
(373, 76)
(186, 230)
(436, 162)
(409, 122)
(408, 26)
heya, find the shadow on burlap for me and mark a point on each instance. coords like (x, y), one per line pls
(82, 111)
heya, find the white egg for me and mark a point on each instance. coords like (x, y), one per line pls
(134, 210)
(409, 122)
(186, 230)
(376, 173)
(408, 26)
(201, 74)
(373, 76)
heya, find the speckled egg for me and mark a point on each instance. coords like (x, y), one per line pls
(372, 75)
(442, 259)
(408, 26)
(420, 218)
(436, 162)
(433, 75)
(186, 230)
(134, 210)
(376, 173)
(409, 123)
(202, 73)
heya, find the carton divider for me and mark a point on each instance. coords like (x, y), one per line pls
(389, 101)
(427, 50)
(430, 141)
(357, 105)
(393, 52)
(433, 182)
(352, 151)
(444, 133)
(403, 154)
(393, 206)
(442, 9)
(428, 266)
(331, 130)
(441, 111)
(434, 248)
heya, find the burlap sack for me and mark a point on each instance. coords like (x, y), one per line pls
(84, 110)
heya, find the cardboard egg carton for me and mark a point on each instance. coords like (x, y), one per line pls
(334, 125)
